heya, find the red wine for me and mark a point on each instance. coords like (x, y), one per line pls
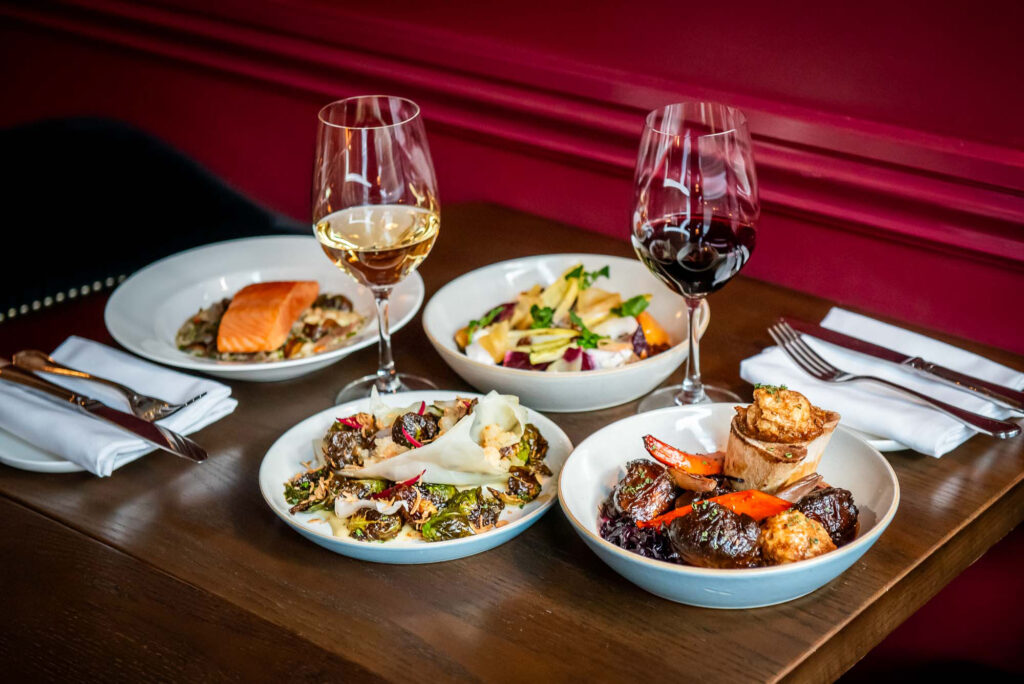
(691, 257)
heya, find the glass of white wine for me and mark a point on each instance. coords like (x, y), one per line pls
(375, 208)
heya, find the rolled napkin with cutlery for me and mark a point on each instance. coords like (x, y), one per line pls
(93, 444)
(876, 409)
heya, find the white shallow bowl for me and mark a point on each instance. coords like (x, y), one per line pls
(475, 293)
(285, 458)
(599, 462)
(145, 312)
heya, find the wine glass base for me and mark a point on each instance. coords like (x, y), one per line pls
(360, 389)
(670, 396)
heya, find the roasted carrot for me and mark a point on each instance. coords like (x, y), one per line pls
(653, 332)
(755, 503)
(695, 464)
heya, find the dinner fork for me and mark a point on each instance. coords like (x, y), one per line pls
(143, 406)
(814, 365)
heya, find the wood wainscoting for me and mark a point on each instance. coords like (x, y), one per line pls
(920, 225)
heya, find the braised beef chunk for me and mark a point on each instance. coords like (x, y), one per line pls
(835, 510)
(645, 492)
(712, 536)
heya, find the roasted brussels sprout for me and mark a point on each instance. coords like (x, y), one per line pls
(360, 489)
(421, 428)
(523, 487)
(346, 445)
(465, 514)
(532, 450)
(368, 524)
(313, 490)
(439, 494)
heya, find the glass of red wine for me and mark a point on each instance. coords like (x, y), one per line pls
(694, 212)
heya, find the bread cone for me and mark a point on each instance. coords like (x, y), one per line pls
(770, 466)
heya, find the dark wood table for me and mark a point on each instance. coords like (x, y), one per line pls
(169, 570)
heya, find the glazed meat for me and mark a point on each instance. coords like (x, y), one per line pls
(791, 536)
(712, 536)
(835, 510)
(645, 492)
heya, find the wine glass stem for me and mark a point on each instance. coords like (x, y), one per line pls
(387, 378)
(692, 391)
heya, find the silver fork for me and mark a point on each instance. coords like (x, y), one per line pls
(143, 406)
(814, 365)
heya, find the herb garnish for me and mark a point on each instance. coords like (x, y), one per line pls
(542, 316)
(484, 322)
(587, 338)
(634, 306)
(587, 278)
(770, 389)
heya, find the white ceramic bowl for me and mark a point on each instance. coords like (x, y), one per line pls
(145, 312)
(599, 462)
(475, 293)
(285, 458)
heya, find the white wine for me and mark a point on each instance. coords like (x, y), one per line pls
(378, 245)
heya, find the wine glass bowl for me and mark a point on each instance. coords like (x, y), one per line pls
(375, 208)
(694, 214)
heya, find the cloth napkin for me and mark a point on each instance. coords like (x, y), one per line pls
(875, 408)
(94, 444)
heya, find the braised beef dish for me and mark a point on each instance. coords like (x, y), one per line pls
(687, 509)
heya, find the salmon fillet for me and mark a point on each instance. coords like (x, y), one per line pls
(261, 315)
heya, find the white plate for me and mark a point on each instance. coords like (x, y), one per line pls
(145, 312)
(880, 443)
(285, 458)
(474, 293)
(18, 453)
(599, 461)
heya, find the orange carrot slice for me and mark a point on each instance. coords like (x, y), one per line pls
(653, 332)
(755, 503)
(695, 464)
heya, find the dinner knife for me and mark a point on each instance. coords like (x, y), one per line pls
(157, 435)
(997, 394)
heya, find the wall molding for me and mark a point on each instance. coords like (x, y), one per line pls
(930, 191)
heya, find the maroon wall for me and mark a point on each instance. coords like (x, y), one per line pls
(888, 135)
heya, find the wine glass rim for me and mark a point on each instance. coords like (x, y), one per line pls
(740, 119)
(415, 114)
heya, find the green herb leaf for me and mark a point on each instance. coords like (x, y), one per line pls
(587, 278)
(541, 316)
(587, 339)
(484, 322)
(633, 306)
(770, 389)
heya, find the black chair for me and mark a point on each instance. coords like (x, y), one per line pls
(89, 201)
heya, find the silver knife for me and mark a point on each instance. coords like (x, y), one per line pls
(157, 435)
(1003, 396)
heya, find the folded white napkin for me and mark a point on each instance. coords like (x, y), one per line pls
(94, 444)
(876, 409)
